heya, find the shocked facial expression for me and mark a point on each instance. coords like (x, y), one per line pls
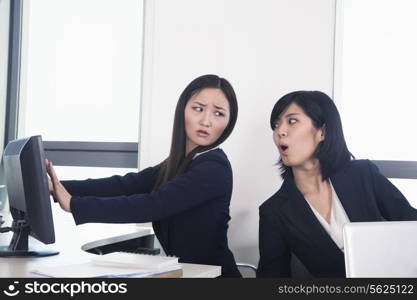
(296, 137)
(206, 115)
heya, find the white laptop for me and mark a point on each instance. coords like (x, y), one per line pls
(380, 249)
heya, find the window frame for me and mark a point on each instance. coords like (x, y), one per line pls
(62, 153)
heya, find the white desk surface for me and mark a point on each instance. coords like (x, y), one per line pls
(71, 239)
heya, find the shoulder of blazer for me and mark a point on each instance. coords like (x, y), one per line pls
(357, 168)
(353, 169)
(277, 200)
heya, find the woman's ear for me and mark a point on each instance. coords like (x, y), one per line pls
(322, 133)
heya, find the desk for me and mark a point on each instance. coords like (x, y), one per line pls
(72, 239)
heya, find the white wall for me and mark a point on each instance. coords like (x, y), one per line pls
(4, 50)
(265, 48)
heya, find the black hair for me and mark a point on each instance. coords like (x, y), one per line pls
(178, 161)
(332, 152)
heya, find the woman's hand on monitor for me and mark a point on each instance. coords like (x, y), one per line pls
(57, 189)
(50, 186)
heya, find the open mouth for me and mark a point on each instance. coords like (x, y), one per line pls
(283, 149)
(202, 133)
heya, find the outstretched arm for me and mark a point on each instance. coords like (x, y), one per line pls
(204, 181)
(129, 184)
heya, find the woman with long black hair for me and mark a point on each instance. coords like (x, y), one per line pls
(187, 196)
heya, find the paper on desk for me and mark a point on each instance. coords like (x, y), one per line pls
(90, 269)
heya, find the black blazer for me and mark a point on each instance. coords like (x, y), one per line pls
(190, 214)
(288, 225)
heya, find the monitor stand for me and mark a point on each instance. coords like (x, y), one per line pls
(5, 252)
(19, 244)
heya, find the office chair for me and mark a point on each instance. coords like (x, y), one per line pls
(298, 270)
(247, 270)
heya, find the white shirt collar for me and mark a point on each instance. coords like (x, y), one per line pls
(338, 218)
(197, 154)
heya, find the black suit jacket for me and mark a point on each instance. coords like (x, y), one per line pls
(288, 225)
(190, 213)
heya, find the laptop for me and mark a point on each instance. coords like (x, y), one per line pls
(380, 249)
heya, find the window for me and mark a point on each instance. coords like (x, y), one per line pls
(81, 173)
(81, 66)
(73, 75)
(77, 80)
(374, 84)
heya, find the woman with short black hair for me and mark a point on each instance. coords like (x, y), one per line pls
(187, 196)
(324, 188)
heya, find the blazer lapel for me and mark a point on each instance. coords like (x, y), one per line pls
(301, 217)
(349, 196)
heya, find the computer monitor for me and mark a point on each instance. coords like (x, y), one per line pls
(381, 249)
(29, 199)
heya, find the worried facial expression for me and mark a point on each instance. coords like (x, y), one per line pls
(296, 137)
(206, 116)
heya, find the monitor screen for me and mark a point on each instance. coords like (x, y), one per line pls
(29, 199)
